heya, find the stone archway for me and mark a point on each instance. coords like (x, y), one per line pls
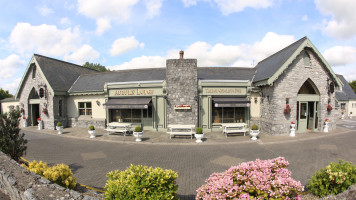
(307, 107)
(34, 106)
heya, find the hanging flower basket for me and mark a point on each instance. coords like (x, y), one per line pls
(287, 110)
(45, 111)
(329, 108)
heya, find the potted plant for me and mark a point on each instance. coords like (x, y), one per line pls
(59, 128)
(350, 115)
(292, 129)
(326, 126)
(342, 115)
(138, 133)
(287, 110)
(39, 123)
(91, 131)
(199, 134)
(24, 121)
(254, 132)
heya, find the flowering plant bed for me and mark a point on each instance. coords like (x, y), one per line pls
(261, 179)
(287, 110)
(329, 108)
(177, 107)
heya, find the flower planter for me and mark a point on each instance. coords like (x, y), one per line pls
(92, 133)
(326, 127)
(342, 116)
(39, 125)
(59, 129)
(254, 134)
(138, 136)
(292, 130)
(199, 138)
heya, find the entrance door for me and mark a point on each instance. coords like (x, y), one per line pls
(303, 116)
(311, 115)
(35, 113)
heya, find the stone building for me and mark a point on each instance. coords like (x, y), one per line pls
(295, 84)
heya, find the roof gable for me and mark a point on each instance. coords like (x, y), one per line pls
(347, 92)
(269, 69)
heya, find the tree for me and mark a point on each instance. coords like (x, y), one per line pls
(96, 66)
(12, 142)
(4, 94)
(353, 85)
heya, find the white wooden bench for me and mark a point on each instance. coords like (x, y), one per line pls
(117, 127)
(234, 128)
(177, 129)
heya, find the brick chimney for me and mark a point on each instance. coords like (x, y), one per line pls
(181, 54)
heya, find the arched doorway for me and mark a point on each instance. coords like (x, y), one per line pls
(34, 107)
(307, 107)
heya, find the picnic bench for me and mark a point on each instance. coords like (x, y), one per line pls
(117, 127)
(234, 128)
(177, 129)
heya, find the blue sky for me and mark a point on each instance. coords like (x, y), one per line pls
(127, 34)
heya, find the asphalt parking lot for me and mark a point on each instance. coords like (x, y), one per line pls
(90, 160)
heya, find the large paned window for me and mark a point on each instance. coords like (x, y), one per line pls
(343, 106)
(228, 114)
(130, 115)
(85, 108)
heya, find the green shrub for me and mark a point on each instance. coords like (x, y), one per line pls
(138, 129)
(333, 179)
(91, 128)
(12, 142)
(199, 130)
(60, 174)
(141, 182)
(254, 127)
(59, 124)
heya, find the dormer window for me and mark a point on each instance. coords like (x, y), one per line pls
(306, 59)
(33, 71)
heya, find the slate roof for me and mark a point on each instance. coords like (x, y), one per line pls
(10, 99)
(347, 92)
(269, 66)
(95, 82)
(60, 74)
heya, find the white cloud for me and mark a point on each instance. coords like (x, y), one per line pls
(104, 11)
(123, 45)
(65, 21)
(343, 17)
(45, 39)
(12, 87)
(51, 41)
(305, 18)
(340, 55)
(231, 6)
(10, 66)
(44, 10)
(153, 7)
(83, 54)
(141, 62)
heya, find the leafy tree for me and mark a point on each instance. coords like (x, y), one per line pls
(353, 85)
(4, 94)
(96, 66)
(12, 142)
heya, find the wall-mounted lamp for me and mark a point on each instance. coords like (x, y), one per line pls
(139, 85)
(98, 102)
(287, 101)
(22, 105)
(329, 100)
(45, 105)
(255, 99)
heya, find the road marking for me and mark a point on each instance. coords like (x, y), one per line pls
(227, 161)
(93, 155)
(347, 126)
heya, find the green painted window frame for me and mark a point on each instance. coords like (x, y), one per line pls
(85, 109)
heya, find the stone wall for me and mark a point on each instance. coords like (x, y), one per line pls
(85, 122)
(18, 183)
(273, 120)
(182, 89)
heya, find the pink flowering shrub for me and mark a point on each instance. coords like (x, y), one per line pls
(260, 179)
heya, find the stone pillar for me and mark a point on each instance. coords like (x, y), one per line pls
(182, 89)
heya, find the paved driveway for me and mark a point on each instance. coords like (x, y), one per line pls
(91, 160)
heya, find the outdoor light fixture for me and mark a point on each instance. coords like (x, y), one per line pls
(98, 102)
(255, 99)
(287, 101)
(45, 105)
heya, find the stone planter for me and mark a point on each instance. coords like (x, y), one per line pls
(39, 125)
(326, 127)
(92, 133)
(199, 137)
(342, 116)
(254, 134)
(292, 130)
(59, 129)
(138, 136)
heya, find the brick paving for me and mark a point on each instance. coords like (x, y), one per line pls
(91, 159)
